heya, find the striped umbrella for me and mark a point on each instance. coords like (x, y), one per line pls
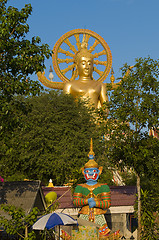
(53, 219)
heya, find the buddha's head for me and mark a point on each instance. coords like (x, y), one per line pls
(84, 61)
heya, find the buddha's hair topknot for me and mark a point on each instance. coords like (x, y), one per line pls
(83, 53)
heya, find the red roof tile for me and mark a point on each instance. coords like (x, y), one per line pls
(123, 195)
(120, 195)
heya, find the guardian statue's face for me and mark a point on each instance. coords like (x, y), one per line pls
(85, 67)
(91, 174)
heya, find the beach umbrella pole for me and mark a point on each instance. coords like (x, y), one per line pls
(59, 232)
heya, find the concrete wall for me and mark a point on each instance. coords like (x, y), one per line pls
(120, 221)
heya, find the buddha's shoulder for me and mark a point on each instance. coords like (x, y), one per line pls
(76, 83)
(97, 83)
(71, 83)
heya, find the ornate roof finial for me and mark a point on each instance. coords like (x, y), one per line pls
(112, 78)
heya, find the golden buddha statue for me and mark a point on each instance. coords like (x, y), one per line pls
(86, 87)
(83, 62)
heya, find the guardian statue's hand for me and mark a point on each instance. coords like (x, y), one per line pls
(91, 202)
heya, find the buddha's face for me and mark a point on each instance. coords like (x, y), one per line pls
(85, 67)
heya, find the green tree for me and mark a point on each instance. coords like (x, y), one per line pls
(19, 57)
(55, 141)
(149, 222)
(18, 223)
(133, 110)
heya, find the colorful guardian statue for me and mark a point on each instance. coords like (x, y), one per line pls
(94, 197)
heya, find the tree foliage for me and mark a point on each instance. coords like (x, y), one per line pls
(19, 225)
(19, 57)
(149, 219)
(18, 221)
(133, 110)
(138, 95)
(54, 142)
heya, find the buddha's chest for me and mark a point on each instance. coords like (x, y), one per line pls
(85, 90)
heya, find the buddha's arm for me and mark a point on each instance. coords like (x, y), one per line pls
(103, 94)
(49, 84)
(67, 88)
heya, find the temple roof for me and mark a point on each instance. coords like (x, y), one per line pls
(123, 195)
(29, 194)
(120, 195)
(24, 194)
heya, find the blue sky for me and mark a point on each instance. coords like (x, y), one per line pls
(130, 27)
